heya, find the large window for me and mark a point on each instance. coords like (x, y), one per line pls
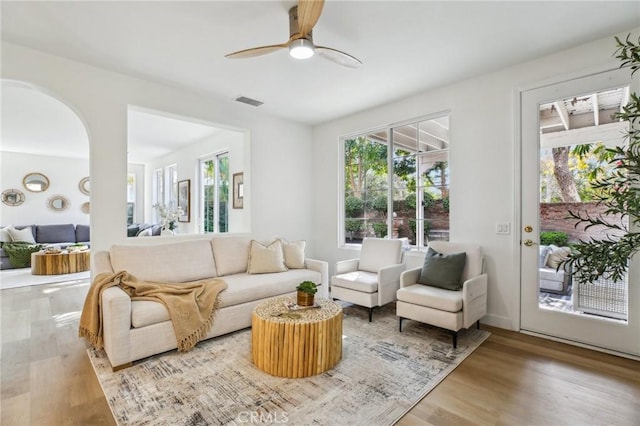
(396, 182)
(214, 193)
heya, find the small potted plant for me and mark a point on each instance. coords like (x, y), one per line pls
(306, 291)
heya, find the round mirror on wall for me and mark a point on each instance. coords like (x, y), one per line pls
(13, 197)
(58, 203)
(36, 182)
(85, 208)
(84, 186)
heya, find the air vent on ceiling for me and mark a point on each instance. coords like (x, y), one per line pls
(249, 101)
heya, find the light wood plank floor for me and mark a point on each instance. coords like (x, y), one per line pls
(512, 379)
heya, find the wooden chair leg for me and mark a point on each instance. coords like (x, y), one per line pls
(370, 314)
(455, 339)
(478, 324)
(400, 324)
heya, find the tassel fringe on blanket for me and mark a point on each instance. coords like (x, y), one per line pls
(192, 305)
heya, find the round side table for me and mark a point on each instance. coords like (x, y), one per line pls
(296, 343)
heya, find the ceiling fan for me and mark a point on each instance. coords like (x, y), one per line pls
(302, 19)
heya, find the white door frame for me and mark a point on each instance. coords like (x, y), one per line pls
(518, 178)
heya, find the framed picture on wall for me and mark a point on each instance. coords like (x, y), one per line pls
(184, 196)
(238, 190)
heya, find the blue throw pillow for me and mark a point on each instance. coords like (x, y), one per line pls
(443, 270)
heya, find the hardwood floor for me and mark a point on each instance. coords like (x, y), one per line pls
(512, 379)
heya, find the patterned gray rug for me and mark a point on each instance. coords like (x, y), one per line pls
(383, 374)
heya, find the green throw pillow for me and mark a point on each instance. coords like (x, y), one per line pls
(443, 270)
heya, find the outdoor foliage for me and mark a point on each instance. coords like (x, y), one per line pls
(608, 257)
(556, 238)
(380, 229)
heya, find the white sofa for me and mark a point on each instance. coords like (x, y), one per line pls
(133, 330)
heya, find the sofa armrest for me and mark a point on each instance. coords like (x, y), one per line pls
(349, 265)
(116, 325)
(410, 277)
(322, 267)
(101, 263)
(474, 299)
(389, 282)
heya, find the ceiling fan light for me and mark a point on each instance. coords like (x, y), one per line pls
(301, 49)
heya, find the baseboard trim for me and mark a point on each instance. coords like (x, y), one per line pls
(498, 321)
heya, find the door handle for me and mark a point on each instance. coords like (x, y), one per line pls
(528, 242)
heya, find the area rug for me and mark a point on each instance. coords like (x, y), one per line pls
(383, 374)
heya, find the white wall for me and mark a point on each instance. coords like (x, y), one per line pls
(483, 161)
(64, 177)
(278, 171)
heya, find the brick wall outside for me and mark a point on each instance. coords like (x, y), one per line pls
(553, 217)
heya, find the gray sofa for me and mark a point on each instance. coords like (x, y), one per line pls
(57, 235)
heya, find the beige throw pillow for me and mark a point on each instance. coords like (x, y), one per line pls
(294, 254)
(22, 235)
(266, 259)
(557, 255)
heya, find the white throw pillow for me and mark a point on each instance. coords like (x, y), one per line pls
(22, 235)
(265, 259)
(146, 232)
(5, 237)
(293, 254)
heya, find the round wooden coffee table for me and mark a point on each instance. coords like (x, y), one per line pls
(296, 343)
(60, 263)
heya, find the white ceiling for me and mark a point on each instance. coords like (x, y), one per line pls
(406, 47)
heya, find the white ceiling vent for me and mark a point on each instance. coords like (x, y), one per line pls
(249, 101)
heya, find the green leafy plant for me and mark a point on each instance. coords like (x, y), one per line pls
(380, 229)
(353, 225)
(353, 206)
(556, 238)
(307, 287)
(619, 192)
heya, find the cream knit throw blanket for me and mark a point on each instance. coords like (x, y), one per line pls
(191, 305)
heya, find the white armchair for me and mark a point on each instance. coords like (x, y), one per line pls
(453, 310)
(374, 278)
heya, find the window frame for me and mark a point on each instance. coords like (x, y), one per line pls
(341, 231)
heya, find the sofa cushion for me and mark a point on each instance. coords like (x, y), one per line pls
(231, 254)
(55, 233)
(242, 288)
(432, 297)
(443, 270)
(175, 262)
(294, 253)
(83, 234)
(5, 237)
(366, 282)
(25, 234)
(265, 259)
(551, 274)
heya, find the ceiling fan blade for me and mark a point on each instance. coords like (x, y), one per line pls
(256, 51)
(338, 57)
(308, 14)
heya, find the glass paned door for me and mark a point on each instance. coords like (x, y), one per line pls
(214, 194)
(565, 128)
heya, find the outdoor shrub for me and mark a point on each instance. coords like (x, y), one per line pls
(445, 204)
(379, 203)
(427, 200)
(353, 206)
(412, 226)
(353, 225)
(410, 201)
(556, 238)
(380, 229)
